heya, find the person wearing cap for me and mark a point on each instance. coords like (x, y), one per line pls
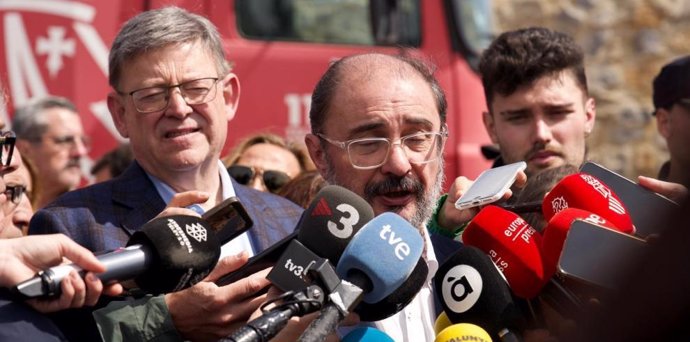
(672, 110)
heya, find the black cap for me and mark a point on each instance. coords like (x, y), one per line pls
(672, 85)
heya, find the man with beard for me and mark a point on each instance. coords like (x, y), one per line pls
(378, 129)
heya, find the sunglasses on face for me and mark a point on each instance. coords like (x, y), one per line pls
(273, 179)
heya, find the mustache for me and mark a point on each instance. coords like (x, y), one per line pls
(394, 184)
(541, 147)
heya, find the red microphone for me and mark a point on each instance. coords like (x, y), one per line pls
(586, 192)
(557, 230)
(512, 244)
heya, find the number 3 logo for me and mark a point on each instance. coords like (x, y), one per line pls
(348, 221)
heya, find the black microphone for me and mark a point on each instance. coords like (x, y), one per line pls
(325, 229)
(472, 290)
(168, 254)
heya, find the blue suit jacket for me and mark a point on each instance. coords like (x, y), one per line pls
(103, 217)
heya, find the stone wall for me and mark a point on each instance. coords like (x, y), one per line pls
(626, 42)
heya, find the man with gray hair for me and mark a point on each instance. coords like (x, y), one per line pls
(173, 95)
(50, 134)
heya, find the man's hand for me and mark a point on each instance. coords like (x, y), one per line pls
(450, 217)
(180, 201)
(22, 258)
(208, 312)
(674, 191)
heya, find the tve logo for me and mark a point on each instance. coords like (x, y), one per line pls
(402, 249)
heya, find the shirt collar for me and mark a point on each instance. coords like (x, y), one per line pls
(166, 192)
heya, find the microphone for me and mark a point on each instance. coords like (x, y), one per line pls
(378, 259)
(512, 244)
(463, 332)
(325, 229)
(367, 334)
(442, 322)
(472, 290)
(168, 254)
(586, 192)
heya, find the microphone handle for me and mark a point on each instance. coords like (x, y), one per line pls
(120, 264)
(263, 328)
(323, 325)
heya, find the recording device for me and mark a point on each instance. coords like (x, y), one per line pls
(490, 186)
(595, 257)
(472, 290)
(584, 191)
(645, 206)
(228, 219)
(557, 230)
(378, 259)
(367, 334)
(335, 212)
(512, 244)
(168, 254)
(463, 332)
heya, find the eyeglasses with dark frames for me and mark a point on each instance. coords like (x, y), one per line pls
(155, 99)
(14, 193)
(7, 141)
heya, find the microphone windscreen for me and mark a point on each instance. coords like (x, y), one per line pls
(398, 300)
(463, 332)
(586, 192)
(331, 220)
(442, 322)
(472, 290)
(386, 250)
(185, 249)
(557, 230)
(513, 245)
(367, 334)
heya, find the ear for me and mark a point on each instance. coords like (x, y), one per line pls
(590, 115)
(316, 152)
(663, 122)
(116, 106)
(490, 126)
(231, 94)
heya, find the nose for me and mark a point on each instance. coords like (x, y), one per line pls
(81, 146)
(257, 182)
(542, 131)
(397, 163)
(177, 106)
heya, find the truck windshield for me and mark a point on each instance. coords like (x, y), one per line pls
(473, 27)
(359, 22)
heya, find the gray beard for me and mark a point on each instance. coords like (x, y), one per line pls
(426, 203)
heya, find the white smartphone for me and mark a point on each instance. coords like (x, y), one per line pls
(490, 186)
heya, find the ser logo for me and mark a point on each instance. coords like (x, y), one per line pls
(461, 288)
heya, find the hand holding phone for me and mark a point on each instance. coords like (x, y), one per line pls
(490, 186)
(228, 219)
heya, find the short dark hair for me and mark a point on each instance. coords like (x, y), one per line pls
(326, 87)
(518, 58)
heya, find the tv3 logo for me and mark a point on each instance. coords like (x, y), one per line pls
(461, 288)
(349, 218)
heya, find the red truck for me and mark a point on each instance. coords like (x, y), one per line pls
(279, 48)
